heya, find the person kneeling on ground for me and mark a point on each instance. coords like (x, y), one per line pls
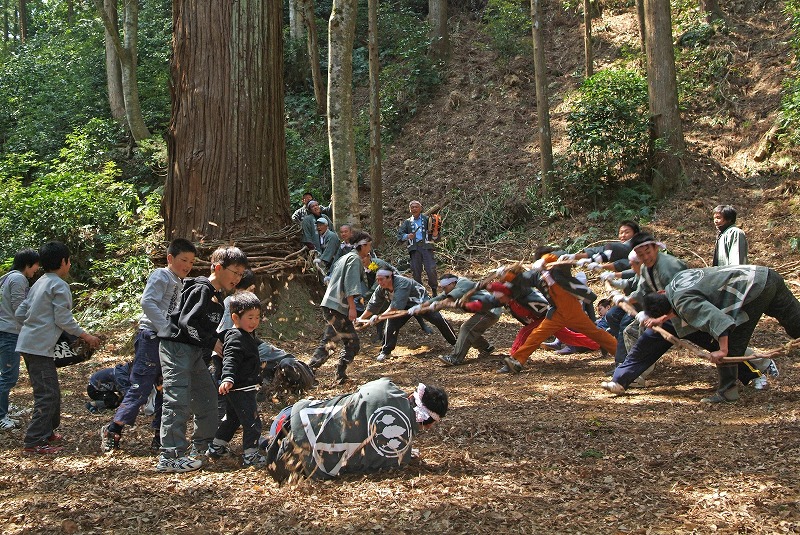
(107, 387)
(367, 431)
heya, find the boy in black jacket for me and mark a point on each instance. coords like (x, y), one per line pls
(241, 377)
(188, 386)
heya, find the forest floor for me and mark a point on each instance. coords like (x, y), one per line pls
(546, 451)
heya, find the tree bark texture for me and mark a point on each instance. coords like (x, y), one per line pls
(227, 173)
(440, 38)
(116, 101)
(663, 97)
(376, 184)
(587, 38)
(126, 52)
(344, 175)
(712, 10)
(542, 103)
(312, 40)
(23, 21)
(640, 17)
(296, 19)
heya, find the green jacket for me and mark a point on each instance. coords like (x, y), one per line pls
(711, 299)
(464, 285)
(345, 281)
(658, 277)
(731, 247)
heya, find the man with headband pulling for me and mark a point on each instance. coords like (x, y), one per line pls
(367, 431)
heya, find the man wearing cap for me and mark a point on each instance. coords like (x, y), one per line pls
(368, 431)
(401, 293)
(308, 225)
(415, 233)
(471, 332)
(328, 245)
(339, 307)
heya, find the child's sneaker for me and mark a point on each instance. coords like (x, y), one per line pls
(109, 441)
(254, 459)
(55, 438)
(15, 412)
(7, 423)
(178, 464)
(43, 449)
(218, 451)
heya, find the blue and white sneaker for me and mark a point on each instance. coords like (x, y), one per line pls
(178, 464)
(772, 369)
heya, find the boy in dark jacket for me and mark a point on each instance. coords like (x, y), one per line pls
(241, 377)
(188, 386)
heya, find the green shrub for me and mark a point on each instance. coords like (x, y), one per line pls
(790, 102)
(607, 125)
(508, 25)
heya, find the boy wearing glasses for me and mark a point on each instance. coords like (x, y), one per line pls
(188, 387)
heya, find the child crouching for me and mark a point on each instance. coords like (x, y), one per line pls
(241, 378)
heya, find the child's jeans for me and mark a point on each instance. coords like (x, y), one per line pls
(9, 368)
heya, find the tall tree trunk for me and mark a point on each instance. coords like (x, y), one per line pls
(296, 19)
(376, 184)
(344, 175)
(587, 38)
(310, 22)
(663, 97)
(6, 25)
(640, 17)
(227, 172)
(23, 21)
(126, 51)
(116, 100)
(70, 12)
(440, 38)
(542, 103)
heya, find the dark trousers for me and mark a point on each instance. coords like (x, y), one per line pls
(145, 373)
(241, 409)
(471, 335)
(393, 326)
(338, 328)
(618, 320)
(46, 399)
(420, 258)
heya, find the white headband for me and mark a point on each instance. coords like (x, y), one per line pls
(362, 242)
(445, 282)
(659, 244)
(384, 273)
(423, 413)
(633, 257)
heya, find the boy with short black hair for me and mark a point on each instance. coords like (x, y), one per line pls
(159, 299)
(188, 386)
(241, 377)
(45, 314)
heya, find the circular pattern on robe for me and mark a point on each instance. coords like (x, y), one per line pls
(392, 429)
(687, 279)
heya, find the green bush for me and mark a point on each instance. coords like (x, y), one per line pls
(607, 125)
(508, 25)
(790, 102)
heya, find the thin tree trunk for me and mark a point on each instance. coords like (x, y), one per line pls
(70, 12)
(712, 10)
(313, 54)
(6, 25)
(227, 147)
(116, 100)
(587, 37)
(663, 97)
(542, 103)
(296, 19)
(440, 38)
(640, 17)
(344, 175)
(23, 21)
(127, 58)
(376, 184)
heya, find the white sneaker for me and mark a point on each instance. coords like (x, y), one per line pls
(772, 369)
(639, 382)
(7, 423)
(178, 464)
(614, 388)
(760, 382)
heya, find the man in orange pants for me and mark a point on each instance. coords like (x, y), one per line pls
(564, 294)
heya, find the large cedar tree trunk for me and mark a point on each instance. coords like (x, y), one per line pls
(227, 173)
(113, 71)
(344, 175)
(542, 103)
(663, 97)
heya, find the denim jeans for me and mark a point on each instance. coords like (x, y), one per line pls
(46, 399)
(145, 372)
(9, 368)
